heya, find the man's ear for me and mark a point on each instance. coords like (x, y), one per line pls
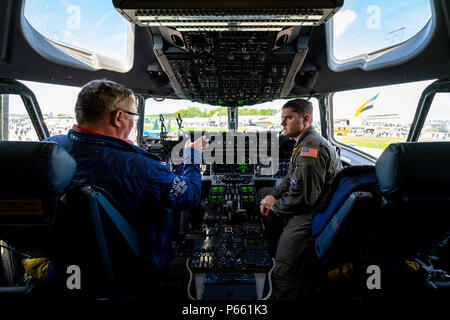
(306, 118)
(116, 118)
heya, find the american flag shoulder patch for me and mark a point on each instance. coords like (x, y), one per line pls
(309, 152)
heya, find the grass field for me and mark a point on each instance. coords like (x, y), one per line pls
(368, 142)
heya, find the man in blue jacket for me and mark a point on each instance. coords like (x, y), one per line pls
(141, 184)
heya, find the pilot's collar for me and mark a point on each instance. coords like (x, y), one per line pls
(77, 128)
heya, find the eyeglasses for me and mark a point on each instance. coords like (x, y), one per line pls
(135, 115)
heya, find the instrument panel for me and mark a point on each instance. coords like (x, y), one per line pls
(232, 243)
(236, 155)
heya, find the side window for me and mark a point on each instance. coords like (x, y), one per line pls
(437, 123)
(371, 119)
(316, 115)
(57, 105)
(90, 31)
(376, 26)
(15, 122)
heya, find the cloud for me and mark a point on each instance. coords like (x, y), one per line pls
(342, 20)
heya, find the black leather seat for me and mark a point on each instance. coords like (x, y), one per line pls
(391, 215)
(414, 179)
(34, 176)
(46, 215)
(414, 190)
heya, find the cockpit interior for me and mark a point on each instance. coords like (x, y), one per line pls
(223, 70)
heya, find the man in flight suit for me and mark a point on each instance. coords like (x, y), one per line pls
(313, 165)
(137, 180)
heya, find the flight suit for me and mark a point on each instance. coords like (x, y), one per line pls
(313, 165)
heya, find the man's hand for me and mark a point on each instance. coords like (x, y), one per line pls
(266, 204)
(200, 144)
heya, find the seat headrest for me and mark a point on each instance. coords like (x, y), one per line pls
(415, 169)
(38, 166)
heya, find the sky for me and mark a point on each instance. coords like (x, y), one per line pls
(92, 25)
(364, 26)
(360, 26)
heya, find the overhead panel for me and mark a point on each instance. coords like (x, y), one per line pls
(230, 53)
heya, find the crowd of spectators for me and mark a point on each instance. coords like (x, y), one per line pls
(21, 128)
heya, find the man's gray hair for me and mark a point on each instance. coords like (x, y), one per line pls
(99, 98)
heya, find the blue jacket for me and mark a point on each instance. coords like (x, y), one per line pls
(139, 182)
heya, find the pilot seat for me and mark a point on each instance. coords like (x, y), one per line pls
(44, 215)
(387, 216)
